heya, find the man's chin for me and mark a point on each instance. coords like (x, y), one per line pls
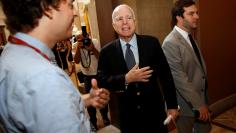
(69, 35)
(195, 26)
(65, 37)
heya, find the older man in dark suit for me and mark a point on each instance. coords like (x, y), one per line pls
(132, 66)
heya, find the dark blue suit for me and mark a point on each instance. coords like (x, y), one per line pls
(141, 104)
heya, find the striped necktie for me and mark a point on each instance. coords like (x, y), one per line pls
(129, 57)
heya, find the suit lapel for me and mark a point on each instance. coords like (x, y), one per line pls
(121, 58)
(141, 50)
(185, 43)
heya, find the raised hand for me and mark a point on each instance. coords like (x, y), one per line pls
(137, 74)
(99, 96)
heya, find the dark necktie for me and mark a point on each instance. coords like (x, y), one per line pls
(194, 45)
(195, 48)
(129, 57)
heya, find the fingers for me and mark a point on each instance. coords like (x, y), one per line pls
(79, 37)
(203, 117)
(204, 114)
(144, 74)
(99, 102)
(136, 66)
(173, 112)
(105, 91)
(100, 96)
(102, 99)
(137, 74)
(104, 94)
(145, 70)
(89, 47)
(94, 84)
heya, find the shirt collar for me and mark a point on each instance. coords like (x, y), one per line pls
(182, 32)
(132, 42)
(35, 43)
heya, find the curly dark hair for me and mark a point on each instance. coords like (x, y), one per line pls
(178, 9)
(23, 15)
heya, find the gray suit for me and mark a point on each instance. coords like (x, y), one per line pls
(189, 76)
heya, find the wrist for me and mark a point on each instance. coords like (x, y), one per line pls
(126, 80)
(87, 99)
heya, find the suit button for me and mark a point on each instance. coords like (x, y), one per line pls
(203, 77)
(138, 107)
(138, 93)
(202, 90)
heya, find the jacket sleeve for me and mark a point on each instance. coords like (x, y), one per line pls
(113, 80)
(166, 80)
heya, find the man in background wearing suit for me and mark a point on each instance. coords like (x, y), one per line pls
(188, 69)
(141, 103)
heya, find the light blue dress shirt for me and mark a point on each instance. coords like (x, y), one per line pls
(37, 96)
(134, 47)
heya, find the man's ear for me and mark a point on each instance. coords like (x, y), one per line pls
(49, 13)
(179, 18)
(113, 25)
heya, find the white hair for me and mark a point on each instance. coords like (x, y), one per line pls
(117, 9)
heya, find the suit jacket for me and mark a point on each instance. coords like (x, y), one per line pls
(140, 102)
(189, 76)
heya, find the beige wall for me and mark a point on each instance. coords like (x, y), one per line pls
(154, 17)
(104, 11)
(93, 20)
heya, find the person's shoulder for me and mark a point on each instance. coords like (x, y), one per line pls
(111, 44)
(147, 37)
(171, 37)
(172, 34)
(152, 40)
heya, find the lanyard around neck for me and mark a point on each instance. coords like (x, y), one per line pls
(18, 41)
